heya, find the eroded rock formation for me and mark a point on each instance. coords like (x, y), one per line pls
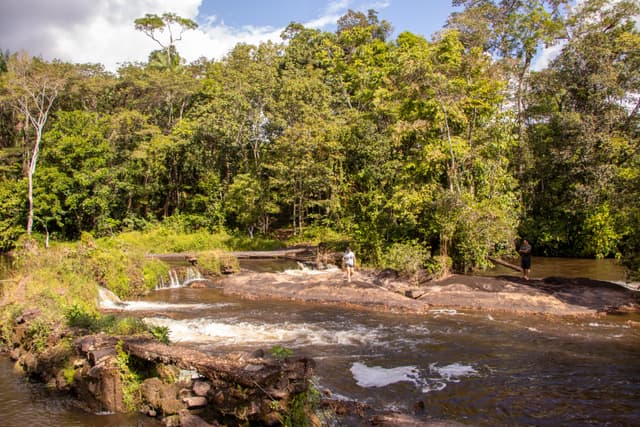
(122, 374)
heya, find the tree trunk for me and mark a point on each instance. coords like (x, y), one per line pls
(30, 173)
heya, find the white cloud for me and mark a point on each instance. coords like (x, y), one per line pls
(102, 31)
(82, 31)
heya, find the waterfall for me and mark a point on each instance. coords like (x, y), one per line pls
(174, 280)
(181, 277)
(192, 275)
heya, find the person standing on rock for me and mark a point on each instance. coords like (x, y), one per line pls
(350, 262)
(525, 258)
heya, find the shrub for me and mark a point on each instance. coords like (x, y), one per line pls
(213, 262)
(152, 270)
(407, 258)
(121, 325)
(279, 352)
(8, 315)
(81, 317)
(38, 331)
(161, 333)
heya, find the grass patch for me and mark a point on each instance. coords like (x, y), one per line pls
(214, 262)
(62, 281)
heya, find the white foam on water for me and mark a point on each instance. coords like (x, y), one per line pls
(165, 306)
(607, 325)
(453, 372)
(447, 311)
(443, 375)
(438, 378)
(306, 271)
(230, 332)
(428, 387)
(109, 300)
(377, 376)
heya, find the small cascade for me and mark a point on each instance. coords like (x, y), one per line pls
(192, 275)
(107, 299)
(174, 280)
(180, 278)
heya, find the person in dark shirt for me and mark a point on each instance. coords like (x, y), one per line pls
(525, 258)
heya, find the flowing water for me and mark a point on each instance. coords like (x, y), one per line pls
(474, 368)
(24, 403)
(597, 269)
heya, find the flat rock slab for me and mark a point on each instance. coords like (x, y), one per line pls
(329, 287)
(553, 295)
(377, 291)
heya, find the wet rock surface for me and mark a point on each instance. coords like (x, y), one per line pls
(385, 291)
(181, 386)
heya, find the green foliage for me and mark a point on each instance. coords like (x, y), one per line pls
(152, 270)
(12, 215)
(82, 317)
(407, 258)
(439, 265)
(88, 318)
(38, 332)
(578, 185)
(279, 352)
(346, 136)
(122, 325)
(68, 374)
(8, 315)
(599, 233)
(214, 262)
(300, 411)
(131, 380)
(161, 333)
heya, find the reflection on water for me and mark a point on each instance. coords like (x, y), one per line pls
(23, 403)
(597, 269)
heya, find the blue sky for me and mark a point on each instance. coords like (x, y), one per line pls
(418, 16)
(102, 31)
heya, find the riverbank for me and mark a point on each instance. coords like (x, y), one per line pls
(386, 291)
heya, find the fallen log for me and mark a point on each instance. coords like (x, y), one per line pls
(293, 253)
(249, 372)
(505, 264)
(283, 253)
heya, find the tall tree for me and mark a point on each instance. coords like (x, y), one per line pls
(32, 87)
(584, 132)
(514, 31)
(175, 26)
(453, 145)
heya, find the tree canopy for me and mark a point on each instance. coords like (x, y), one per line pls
(455, 144)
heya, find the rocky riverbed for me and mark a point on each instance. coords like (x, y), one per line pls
(386, 291)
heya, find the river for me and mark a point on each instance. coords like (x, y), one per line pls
(473, 368)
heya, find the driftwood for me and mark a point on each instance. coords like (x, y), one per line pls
(504, 263)
(264, 373)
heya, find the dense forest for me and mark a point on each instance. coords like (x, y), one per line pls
(455, 146)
